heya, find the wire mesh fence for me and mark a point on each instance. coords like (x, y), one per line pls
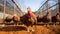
(52, 5)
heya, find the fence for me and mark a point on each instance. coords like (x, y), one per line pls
(49, 5)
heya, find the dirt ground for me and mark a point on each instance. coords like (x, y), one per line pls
(36, 29)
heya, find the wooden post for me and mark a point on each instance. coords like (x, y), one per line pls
(59, 5)
(4, 9)
(47, 5)
(14, 8)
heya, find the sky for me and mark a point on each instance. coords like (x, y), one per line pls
(34, 4)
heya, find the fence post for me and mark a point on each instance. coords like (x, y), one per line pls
(59, 5)
(4, 9)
